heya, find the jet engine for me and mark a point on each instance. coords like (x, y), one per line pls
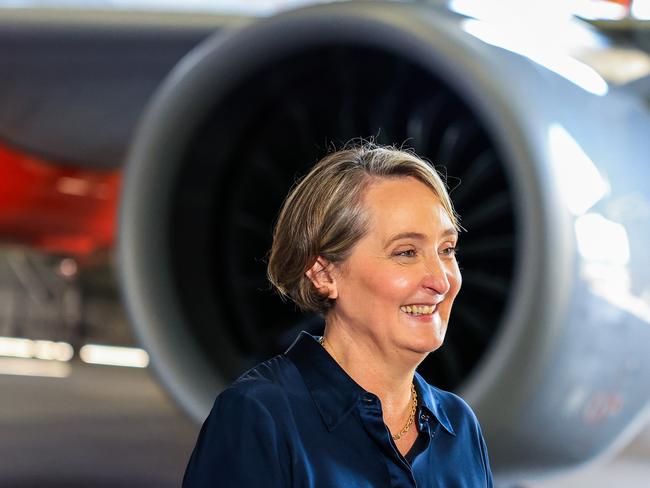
(544, 147)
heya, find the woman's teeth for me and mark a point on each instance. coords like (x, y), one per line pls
(418, 309)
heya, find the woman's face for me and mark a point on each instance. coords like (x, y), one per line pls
(400, 281)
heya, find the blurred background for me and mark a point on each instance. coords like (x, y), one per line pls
(145, 148)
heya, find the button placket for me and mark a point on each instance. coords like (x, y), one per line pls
(399, 469)
(425, 425)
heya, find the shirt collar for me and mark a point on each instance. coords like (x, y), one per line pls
(335, 393)
(430, 401)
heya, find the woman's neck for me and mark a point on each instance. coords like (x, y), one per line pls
(385, 373)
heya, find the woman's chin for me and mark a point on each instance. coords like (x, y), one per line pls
(427, 335)
(429, 342)
(436, 344)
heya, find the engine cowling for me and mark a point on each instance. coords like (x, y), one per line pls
(548, 340)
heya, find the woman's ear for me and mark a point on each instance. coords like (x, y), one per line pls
(322, 277)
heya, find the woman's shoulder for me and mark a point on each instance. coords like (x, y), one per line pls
(266, 384)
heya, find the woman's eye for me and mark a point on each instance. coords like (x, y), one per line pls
(449, 251)
(409, 253)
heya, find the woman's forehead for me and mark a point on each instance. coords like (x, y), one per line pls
(405, 206)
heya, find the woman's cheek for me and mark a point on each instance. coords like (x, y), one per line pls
(399, 282)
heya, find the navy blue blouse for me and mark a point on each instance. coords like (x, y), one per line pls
(298, 420)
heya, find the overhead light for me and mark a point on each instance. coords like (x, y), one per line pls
(26, 348)
(114, 356)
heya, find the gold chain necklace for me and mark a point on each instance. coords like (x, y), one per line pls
(414, 405)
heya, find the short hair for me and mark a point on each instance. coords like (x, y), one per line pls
(324, 214)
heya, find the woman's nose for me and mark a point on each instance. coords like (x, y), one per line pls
(437, 277)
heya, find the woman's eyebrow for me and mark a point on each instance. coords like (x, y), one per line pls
(405, 235)
(418, 235)
(450, 232)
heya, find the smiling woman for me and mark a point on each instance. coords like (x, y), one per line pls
(368, 239)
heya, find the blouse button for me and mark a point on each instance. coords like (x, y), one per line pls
(424, 417)
(368, 399)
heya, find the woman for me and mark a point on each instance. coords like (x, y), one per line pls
(367, 238)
